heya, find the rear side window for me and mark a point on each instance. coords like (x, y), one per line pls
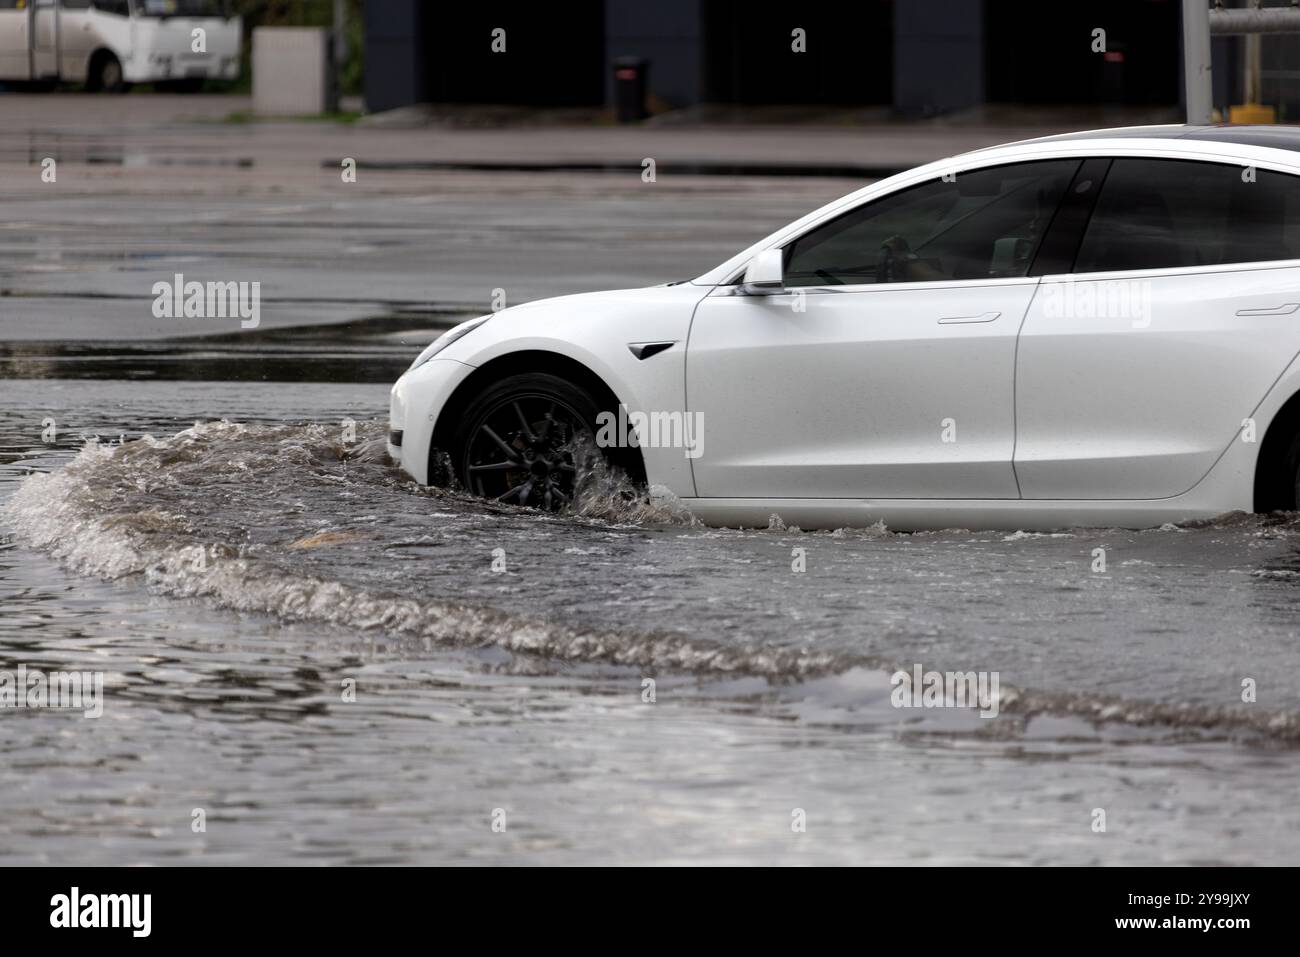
(1158, 214)
(984, 224)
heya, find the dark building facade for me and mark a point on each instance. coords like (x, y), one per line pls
(921, 57)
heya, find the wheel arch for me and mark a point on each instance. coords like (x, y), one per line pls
(1272, 491)
(532, 360)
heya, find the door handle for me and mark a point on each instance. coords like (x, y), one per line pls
(1284, 310)
(982, 317)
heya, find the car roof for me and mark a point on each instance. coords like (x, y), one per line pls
(1277, 137)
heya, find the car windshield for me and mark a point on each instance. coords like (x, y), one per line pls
(181, 8)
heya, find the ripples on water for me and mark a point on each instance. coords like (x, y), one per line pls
(305, 523)
(283, 556)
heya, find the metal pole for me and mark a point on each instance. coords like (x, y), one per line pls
(1255, 20)
(337, 56)
(1252, 68)
(340, 33)
(1196, 61)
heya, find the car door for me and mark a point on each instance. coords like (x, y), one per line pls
(77, 39)
(45, 38)
(885, 368)
(1136, 370)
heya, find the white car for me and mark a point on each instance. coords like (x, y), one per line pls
(1096, 328)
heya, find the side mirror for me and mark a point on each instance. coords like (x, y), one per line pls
(764, 275)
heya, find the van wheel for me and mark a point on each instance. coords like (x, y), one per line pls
(106, 75)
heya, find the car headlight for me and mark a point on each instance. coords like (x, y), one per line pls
(446, 339)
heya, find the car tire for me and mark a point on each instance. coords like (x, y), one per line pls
(525, 439)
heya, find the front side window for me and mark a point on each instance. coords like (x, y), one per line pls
(984, 224)
(1159, 214)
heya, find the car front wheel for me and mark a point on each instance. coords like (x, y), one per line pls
(523, 440)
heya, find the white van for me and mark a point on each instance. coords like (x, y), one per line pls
(110, 44)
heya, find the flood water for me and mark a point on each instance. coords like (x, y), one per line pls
(336, 666)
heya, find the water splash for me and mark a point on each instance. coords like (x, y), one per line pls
(297, 522)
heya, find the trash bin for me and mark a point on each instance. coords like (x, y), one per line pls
(630, 88)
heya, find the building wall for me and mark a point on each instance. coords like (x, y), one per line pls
(1043, 52)
(421, 52)
(922, 56)
(394, 58)
(549, 60)
(938, 56)
(847, 57)
(668, 33)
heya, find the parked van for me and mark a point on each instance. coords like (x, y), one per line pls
(110, 44)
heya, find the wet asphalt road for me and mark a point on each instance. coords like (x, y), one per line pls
(524, 691)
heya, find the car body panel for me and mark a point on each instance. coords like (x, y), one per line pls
(1227, 487)
(412, 410)
(910, 515)
(1130, 406)
(864, 390)
(594, 329)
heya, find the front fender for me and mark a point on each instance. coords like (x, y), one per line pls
(595, 330)
(414, 404)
